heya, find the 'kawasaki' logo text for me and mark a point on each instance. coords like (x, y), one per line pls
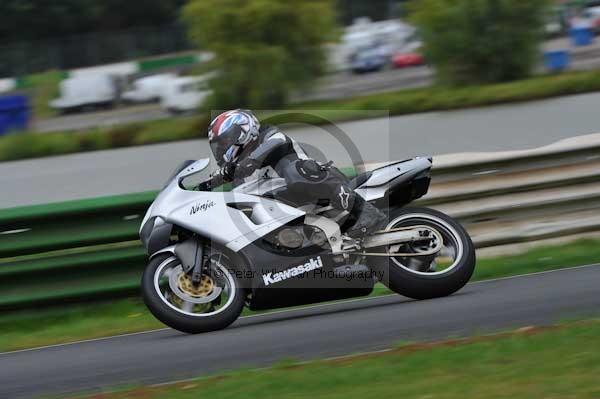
(312, 264)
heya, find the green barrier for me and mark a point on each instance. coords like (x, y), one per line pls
(12, 216)
(72, 224)
(70, 234)
(33, 81)
(94, 290)
(71, 251)
(65, 262)
(83, 276)
(168, 62)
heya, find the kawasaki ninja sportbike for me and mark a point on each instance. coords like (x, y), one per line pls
(212, 253)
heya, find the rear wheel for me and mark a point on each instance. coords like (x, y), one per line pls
(170, 295)
(431, 275)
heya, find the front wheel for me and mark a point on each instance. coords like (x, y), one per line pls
(430, 275)
(170, 295)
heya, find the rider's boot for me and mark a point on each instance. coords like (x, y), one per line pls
(369, 219)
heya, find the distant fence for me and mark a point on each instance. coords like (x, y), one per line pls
(91, 49)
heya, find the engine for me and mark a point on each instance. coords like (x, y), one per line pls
(297, 237)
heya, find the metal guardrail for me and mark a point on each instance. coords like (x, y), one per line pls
(71, 251)
(41, 228)
(89, 250)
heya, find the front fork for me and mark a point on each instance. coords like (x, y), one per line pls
(193, 255)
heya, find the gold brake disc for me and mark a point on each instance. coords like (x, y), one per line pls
(203, 289)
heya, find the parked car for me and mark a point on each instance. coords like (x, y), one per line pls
(368, 59)
(86, 91)
(148, 88)
(404, 60)
(185, 94)
(590, 17)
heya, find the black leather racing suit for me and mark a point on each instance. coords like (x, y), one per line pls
(273, 154)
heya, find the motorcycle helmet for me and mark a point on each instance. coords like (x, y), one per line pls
(230, 132)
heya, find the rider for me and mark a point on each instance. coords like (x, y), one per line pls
(245, 151)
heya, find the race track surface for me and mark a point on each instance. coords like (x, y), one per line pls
(317, 332)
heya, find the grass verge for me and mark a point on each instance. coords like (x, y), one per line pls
(558, 362)
(71, 323)
(41, 88)
(30, 145)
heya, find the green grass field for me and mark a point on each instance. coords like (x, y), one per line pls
(20, 330)
(559, 362)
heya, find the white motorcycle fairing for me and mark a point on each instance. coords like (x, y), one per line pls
(232, 219)
(398, 177)
(237, 218)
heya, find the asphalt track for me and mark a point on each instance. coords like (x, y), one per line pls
(316, 332)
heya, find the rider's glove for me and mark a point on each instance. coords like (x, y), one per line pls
(247, 166)
(204, 186)
(228, 171)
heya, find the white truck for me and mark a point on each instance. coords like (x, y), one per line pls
(148, 88)
(85, 91)
(185, 94)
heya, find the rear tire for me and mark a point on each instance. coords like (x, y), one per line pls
(420, 284)
(178, 319)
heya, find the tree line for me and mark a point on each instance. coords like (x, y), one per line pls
(26, 20)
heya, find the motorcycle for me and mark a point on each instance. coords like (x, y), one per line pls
(214, 253)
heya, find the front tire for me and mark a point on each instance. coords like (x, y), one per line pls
(416, 277)
(171, 307)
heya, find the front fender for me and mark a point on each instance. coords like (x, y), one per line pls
(170, 249)
(186, 252)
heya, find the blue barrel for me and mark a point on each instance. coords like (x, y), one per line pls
(14, 113)
(557, 60)
(581, 36)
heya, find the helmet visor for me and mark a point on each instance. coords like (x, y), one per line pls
(222, 146)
